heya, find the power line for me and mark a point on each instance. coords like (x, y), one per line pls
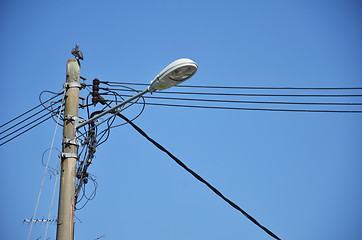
(257, 102)
(29, 110)
(26, 130)
(26, 125)
(198, 177)
(253, 109)
(51, 112)
(245, 94)
(236, 87)
(26, 119)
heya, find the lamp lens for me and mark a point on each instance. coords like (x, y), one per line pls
(182, 73)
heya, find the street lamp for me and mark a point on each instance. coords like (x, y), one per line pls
(172, 75)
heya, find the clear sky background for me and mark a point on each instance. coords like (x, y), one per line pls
(298, 174)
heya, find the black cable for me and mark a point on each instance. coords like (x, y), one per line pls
(92, 195)
(26, 125)
(28, 111)
(247, 94)
(229, 87)
(124, 108)
(22, 121)
(139, 114)
(51, 106)
(106, 132)
(253, 109)
(26, 130)
(217, 192)
(25, 119)
(42, 103)
(55, 114)
(95, 184)
(242, 101)
(51, 170)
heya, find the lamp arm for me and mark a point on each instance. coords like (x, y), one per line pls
(111, 110)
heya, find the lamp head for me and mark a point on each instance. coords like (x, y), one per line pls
(174, 74)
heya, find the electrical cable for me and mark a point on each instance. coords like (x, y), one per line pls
(26, 125)
(139, 114)
(26, 130)
(27, 111)
(254, 109)
(98, 124)
(25, 120)
(255, 102)
(82, 134)
(92, 195)
(110, 83)
(22, 121)
(180, 163)
(82, 174)
(32, 122)
(105, 132)
(51, 106)
(43, 103)
(242, 101)
(246, 94)
(51, 169)
(92, 139)
(61, 118)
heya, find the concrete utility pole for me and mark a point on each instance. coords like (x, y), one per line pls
(65, 227)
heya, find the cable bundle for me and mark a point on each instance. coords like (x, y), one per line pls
(30, 119)
(275, 99)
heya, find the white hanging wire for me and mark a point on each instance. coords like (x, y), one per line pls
(46, 167)
(51, 204)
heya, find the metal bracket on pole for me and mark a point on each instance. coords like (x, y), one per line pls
(76, 119)
(68, 155)
(72, 85)
(72, 142)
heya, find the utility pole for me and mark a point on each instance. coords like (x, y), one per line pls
(69, 156)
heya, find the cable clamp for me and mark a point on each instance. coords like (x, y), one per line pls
(76, 119)
(68, 155)
(72, 142)
(72, 85)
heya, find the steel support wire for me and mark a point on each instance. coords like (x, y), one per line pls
(198, 177)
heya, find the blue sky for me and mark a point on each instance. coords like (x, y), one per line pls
(298, 174)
